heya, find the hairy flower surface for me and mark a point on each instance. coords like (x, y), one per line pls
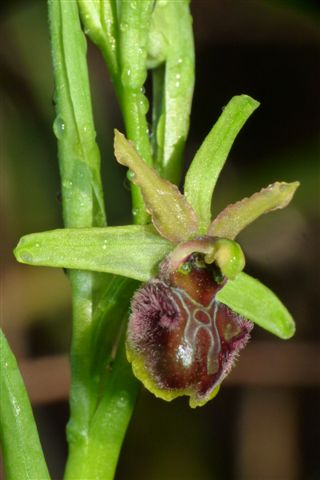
(182, 341)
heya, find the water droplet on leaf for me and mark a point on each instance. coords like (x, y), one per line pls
(26, 256)
(130, 175)
(59, 127)
(144, 104)
(123, 26)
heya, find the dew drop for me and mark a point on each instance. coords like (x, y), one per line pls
(123, 26)
(135, 212)
(144, 104)
(126, 76)
(26, 256)
(59, 127)
(130, 175)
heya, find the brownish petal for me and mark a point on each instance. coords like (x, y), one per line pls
(171, 214)
(237, 216)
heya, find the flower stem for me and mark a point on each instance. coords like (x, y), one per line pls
(99, 301)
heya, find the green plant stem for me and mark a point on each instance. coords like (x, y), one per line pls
(120, 30)
(81, 187)
(134, 24)
(95, 454)
(97, 457)
(83, 206)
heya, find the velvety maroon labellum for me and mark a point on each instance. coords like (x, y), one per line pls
(186, 339)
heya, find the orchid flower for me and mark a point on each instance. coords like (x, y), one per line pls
(195, 311)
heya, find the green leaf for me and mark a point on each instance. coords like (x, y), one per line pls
(132, 251)
(79, 156)
(253, 300)
(208, 162)
(107, 322)
(171, 214)
(99, 20)
(171, 43)
(22, 452)
(237, 216)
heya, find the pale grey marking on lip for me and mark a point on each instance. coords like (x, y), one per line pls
(191, 332)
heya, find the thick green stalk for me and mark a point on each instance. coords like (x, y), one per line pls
(134, 23)
(99, 301)
(82, 197)
(97, 459)
(120, 30)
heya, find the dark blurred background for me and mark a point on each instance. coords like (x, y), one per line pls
(265, 422)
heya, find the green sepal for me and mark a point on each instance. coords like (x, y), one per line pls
(171, 214)
(21, 448)
(209, 160)
(133, 251)
(253, 300)
(235, 217)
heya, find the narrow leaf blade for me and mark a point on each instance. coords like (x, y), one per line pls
(22, 452)
(171, 46)
(207, 164)
(237, 216)
(132, 251)
(79, 156)
(100, 25)
(171, 214)
(250, 298)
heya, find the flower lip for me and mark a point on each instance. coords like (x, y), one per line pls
(181, 341)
